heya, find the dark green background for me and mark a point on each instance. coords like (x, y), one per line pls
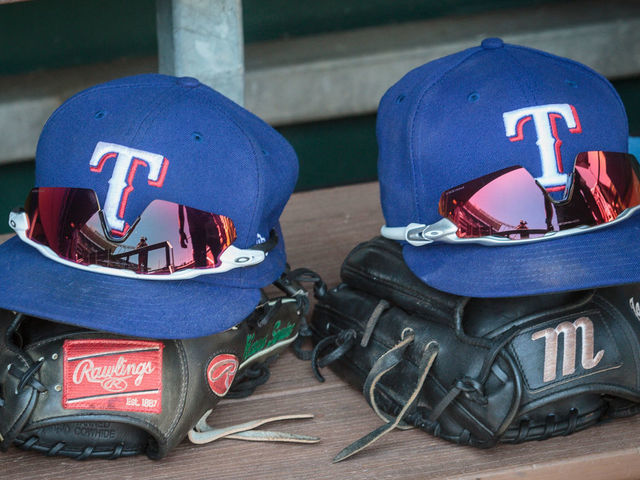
(46, 34)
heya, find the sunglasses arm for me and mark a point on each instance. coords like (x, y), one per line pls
(418, 234)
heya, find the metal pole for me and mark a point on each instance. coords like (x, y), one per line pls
(203, 39)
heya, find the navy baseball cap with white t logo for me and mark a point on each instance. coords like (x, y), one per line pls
(484, 109)
(139, 139)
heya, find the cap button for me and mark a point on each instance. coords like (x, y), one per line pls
(188, 82)
(492, 43)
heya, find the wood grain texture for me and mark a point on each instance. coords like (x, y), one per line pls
(320, 228)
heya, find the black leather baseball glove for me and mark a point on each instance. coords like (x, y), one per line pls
(70, 391)
(477, 371)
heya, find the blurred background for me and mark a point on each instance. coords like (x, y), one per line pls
(313, 69)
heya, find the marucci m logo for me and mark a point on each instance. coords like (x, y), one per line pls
(569, 333)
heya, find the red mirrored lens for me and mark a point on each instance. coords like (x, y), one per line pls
(55, 214)
(508, 203)
(605, 184)
(511, 204)
(167, 237)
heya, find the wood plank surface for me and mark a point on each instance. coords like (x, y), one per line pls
(320, 228)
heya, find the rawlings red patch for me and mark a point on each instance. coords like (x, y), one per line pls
(123, 375)
(221, 372)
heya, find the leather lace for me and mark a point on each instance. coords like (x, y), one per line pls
(249, 379)
(204, 433)
(28, 377)
(286, 284)
(61, 448)
(387, 362)
(553, 426)
(342, 343)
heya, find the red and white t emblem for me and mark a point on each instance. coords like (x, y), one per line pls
(127, 160)
(544, 120)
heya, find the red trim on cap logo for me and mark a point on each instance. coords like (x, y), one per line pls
(221, 372)
(545, 128)
(106, 374)
(126, 163)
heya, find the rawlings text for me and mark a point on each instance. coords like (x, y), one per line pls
(109, 374)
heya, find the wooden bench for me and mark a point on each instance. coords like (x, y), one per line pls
(320, 228)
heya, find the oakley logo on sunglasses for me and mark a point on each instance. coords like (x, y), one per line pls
(127, 161)
(545, 119)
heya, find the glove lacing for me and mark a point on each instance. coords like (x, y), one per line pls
(382, 366)
(344, 341)
(249, 379)
(203, 433)
(289, 283)
(258, 374)
(28, 377)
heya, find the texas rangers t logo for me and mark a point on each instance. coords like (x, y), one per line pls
(127, 160)
(544, 119)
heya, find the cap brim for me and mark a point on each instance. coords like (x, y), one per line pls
(35, 285)
(609, 256)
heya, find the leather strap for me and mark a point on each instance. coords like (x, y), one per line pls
(372, 321)
(383, 365)
(203, 433)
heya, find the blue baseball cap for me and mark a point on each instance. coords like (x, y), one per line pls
(192, 146)
(484, 109)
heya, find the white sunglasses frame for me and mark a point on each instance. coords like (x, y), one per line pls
(444, 230)
(230, 259)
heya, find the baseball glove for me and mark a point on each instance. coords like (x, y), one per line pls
(476, 371)
(70, 391)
